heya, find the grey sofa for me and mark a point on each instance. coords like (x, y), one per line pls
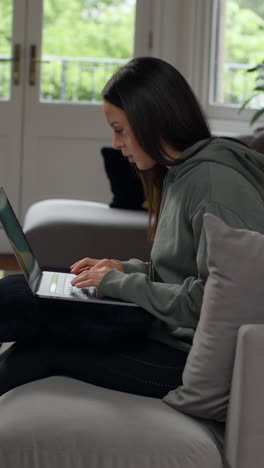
(59, 422)
(63, 231)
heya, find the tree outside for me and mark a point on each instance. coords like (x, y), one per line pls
(84, 42)
(5, 46)
(243, 48)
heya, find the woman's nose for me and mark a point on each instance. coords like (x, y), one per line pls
(117, 142)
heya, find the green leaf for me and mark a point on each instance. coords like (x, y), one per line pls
(260, 66)
(246, 103)
(257, 115)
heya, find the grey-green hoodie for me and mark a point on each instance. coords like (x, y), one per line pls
(224, 178)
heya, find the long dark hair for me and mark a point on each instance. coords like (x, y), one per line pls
(161, 108)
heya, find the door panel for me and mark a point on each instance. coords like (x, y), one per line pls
(11, 106)
(68, 167)
(63, 139)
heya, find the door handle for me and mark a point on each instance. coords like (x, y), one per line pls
(16, 64)
(34, 60)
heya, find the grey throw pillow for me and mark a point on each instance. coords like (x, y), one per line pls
(233, 296)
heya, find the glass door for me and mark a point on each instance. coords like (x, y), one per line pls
(12, 33)
(73, 47)
(6, 29)
(76, 66)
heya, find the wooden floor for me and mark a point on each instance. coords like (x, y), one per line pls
(9, 262)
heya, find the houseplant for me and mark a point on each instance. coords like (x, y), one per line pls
(259, 88)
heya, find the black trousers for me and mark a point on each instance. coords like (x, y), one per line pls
(100, 344)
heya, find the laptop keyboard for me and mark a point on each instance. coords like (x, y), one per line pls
(69, 290)
(61, 285)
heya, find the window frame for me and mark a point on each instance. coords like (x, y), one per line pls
(221, 115)
(184, 35)
(220, 112)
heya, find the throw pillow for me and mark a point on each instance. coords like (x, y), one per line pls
(233, 296)
(125, 184)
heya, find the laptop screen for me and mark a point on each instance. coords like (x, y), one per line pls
(18, 241)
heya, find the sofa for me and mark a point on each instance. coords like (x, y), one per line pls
(214, 419)
(59, 422)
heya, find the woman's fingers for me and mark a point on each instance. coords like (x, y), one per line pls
(83, 264)
(90, 278)
(87, 263)
(85, 283)
(112, 264)
(90, 272)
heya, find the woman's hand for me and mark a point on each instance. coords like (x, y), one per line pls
(94, 264)
(90, 271)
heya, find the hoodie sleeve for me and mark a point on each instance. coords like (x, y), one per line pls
(135, 266)
(174, 304)
(177, 305)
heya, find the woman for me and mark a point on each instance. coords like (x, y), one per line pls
(160, 127)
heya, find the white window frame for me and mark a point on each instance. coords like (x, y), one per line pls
(183, 34)
(225, 117)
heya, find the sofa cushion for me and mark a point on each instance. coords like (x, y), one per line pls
(125, 184)
(63, 422)
(255, 140)
(233, 296)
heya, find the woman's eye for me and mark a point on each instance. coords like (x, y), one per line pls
(118, 130)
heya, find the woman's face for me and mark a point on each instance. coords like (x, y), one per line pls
(124, 138)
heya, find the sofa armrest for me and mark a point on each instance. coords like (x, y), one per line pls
(64, 231)
(244, 437)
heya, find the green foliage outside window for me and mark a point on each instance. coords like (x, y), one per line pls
(258, 91)
(85, 29)
(243, 48)
(5, 45)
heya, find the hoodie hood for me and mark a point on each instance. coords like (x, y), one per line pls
(249, 163)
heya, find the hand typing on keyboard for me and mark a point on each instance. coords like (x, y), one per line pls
(90, 272)
(70, 290)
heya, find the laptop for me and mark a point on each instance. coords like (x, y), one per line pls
(45, 284)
